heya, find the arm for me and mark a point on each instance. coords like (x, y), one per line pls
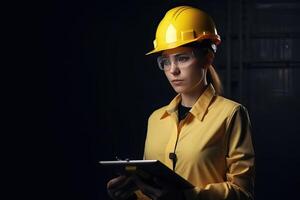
(240, 163)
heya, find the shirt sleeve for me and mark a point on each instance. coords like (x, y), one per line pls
(239, 184)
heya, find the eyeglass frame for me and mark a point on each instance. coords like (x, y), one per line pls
(192, 54)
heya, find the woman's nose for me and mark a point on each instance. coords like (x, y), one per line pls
(174, 69)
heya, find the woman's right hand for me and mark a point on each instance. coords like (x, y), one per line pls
(121, 188)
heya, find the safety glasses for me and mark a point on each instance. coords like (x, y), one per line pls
(181, 60)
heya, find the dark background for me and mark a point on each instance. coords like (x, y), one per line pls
(101, 88)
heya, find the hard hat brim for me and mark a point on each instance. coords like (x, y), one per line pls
(215, 39)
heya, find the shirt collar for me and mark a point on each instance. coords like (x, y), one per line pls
(199, 109)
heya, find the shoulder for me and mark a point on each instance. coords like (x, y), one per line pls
(232, 109)
(227, 105)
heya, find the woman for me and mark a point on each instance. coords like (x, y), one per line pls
(201, 135)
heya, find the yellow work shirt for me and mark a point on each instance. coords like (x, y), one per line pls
(214, 149)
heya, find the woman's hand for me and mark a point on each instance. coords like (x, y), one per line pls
(160, 191)
(121, 188)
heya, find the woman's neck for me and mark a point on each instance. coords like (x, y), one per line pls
(189, 99)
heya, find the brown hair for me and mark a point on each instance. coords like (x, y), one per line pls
(212, 75)
(214, 79)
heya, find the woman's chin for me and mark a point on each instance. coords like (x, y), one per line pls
(179, 89)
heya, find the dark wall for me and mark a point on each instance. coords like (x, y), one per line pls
(101, 88)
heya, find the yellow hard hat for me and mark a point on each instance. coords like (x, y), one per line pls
(182, 25)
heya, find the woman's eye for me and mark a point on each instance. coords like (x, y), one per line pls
(166, 62)
(183, 58)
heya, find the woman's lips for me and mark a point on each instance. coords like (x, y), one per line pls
(177, 82)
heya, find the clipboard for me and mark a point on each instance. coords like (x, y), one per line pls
(148, 170)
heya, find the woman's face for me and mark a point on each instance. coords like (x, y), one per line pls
(185, 72)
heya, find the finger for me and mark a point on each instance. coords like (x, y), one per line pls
(111, 195)
(147, 189)
(125, 195)
(114, 194)
(120, 194)
(127, 184)
(115, 182)
(123, 190)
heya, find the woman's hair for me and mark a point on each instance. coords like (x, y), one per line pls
(212, 75)
(214, 79)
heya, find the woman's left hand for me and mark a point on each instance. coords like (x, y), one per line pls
(160, 191)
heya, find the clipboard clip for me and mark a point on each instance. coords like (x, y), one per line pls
(120, 159)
